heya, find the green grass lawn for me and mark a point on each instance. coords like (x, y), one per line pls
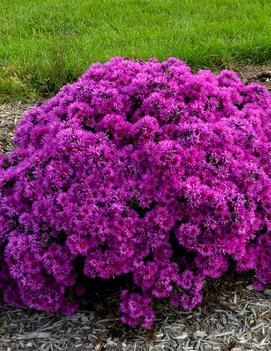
(45, 43)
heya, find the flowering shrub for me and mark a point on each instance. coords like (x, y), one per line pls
(141, 168)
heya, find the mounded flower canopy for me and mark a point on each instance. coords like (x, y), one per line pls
(138, 168)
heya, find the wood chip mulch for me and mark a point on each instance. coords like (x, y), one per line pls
(231, 317)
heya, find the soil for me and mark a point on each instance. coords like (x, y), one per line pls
(254, 73)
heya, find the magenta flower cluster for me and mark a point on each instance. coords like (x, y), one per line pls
(138, 169)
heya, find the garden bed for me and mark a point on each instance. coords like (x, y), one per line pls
(231, 316)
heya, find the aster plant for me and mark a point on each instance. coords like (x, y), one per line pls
(141, 169)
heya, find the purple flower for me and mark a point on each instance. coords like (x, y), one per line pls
(139, 169)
